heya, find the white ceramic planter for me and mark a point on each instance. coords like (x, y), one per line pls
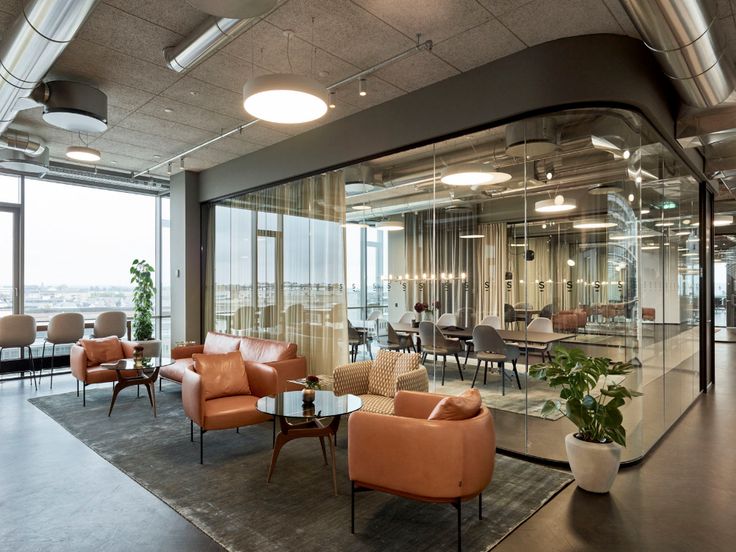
(594, 465)
(151, 347)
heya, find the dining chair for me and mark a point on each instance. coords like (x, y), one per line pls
(110, 323)
(434, 342)
(509, 314)
(64, 328)
(541, 325)
(374, 316)
(447, 320)
(18, 331)
(465, 317)
(407, 318)
(490, 320)
(490, 347)
(546, 311)
(244, 320)
(356, 338)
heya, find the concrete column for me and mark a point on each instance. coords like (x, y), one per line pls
(185, 258)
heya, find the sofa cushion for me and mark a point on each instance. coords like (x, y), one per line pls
(176, 371)
(382, 375)
(464, 406)
(266, 350)
(103, 349)
(222, 375)
(216, 343)
(377, 404)
(229, 412)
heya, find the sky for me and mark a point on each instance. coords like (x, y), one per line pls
(83, 236)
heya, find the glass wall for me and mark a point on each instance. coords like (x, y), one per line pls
(276, 268)
(578, 228)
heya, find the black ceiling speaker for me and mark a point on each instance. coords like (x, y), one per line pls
(529, 255)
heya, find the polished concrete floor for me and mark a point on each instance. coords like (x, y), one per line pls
(56, 494)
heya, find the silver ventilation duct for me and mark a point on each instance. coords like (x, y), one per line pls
(214, 33)
(21, 141)
(683, 36)
(32, 45)
(18, 162)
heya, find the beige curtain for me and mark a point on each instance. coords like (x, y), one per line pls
(490, 270)
(275, 268)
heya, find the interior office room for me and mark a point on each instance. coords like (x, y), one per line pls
(482, 250)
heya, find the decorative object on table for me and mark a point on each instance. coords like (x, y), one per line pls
(311, 384)
(143, 293)
(138, 356)
(421, 309)
(594, 452)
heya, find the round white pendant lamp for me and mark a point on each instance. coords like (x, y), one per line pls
(285, 98)
(234, 9)
(390, 225)
(83, 153)
(558, 204)
(473, 174)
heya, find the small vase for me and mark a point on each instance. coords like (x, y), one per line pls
(308, 395)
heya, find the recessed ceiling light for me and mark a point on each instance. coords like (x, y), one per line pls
(168, 110)
(664, 224)
(627, 154)
(362, 207)
(473, 174)
(285, 98)
(682, 233)
(83, 153)
(650, 247)
(471, 236)
(570, 262)
(556, 205)
(592, 224)
(644, 211)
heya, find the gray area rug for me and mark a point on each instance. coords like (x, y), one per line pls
(228, 497)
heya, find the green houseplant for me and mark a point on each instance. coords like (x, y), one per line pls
(143, 294)
(594, 394)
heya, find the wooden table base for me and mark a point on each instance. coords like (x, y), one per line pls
(148, 380)
(312, 428)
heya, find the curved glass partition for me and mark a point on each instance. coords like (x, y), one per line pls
(574, 229)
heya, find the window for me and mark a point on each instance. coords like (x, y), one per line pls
(79, 244)
(9, 189)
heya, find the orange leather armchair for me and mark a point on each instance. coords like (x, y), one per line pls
(390, 453)
(90, 374)
(227, 412)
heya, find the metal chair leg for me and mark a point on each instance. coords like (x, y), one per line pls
(516, 373)
(444, 363)
(77, 388)
(201, 445)
(467, 354)
(459, 524)
(84, 393)
(485, 373)
(475, 375)
(480, 506)
(53, 354)
(33, 368)
(459, 368)
(191, 431)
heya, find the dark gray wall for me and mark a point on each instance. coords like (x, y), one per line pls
(581, 71)
(185, 258)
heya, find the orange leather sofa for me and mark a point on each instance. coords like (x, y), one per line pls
(390, 453)
(89, 373)
(280, 355)
(227, 410)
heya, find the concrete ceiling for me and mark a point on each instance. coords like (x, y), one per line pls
(119, 50)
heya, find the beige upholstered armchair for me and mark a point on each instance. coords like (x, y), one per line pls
(377, 381)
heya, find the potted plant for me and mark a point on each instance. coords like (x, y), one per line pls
(593, 395)
(143, 293)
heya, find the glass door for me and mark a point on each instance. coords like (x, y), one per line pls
(9, 276)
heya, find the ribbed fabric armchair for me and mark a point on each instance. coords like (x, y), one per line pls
(376, 384)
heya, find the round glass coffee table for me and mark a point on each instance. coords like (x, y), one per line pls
(311, 420)
(129, 374)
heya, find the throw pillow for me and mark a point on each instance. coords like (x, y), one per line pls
(382, 376)
(103, 349)
(217, 343)
(222, 375)
(464, 406)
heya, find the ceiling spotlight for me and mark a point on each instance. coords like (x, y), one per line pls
(631, 198)
(570, 262)
(181, 163)
(638, 180)
(557, 205)
(592, 224)
(473, 174)
(390, 225)
(544, 226)
(549, 175)
(686, 221)
(471, 236)
(285, 98)
(722, 220)
(168, 168)
(362, 87)
(627, 154)
(168, 110)
(83, 153)
(331, 103)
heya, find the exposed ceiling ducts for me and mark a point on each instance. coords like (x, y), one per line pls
(21, 141)
(683, 36)
(214, 32)
(32, 45)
